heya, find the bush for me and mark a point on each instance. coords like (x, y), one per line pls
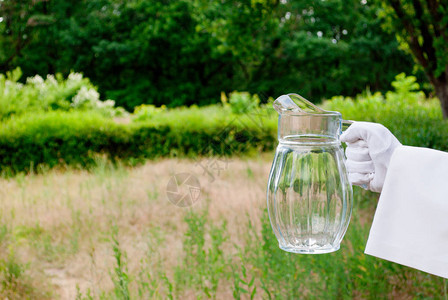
(77, 138)
(146, 112)
(52, 93)
(415, 120)
(243, 102)
(53, 138)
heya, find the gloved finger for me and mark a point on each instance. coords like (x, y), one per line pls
(360, 166)
(358, 144)
(357, 154)
(360, 178)
(356, 131)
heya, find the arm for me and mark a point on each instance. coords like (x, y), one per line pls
(410, 226)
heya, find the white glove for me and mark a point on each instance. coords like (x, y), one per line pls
(369, 149)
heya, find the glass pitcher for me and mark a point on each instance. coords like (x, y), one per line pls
(309, 196)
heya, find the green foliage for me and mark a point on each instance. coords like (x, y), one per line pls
(243, 280)
(243, 102)
(51, 93)
(52, 138)
(32, 141)
(184, 52)
(10, 271)
(121, 278)
(35, 141)
(424, 35)
(415, 120)
(421, 28)
(15, 282)
(208, 263)
(258, 268)
(146, 112)
(345, 274)
(406, 89)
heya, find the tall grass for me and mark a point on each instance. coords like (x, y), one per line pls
(257, 268)
(112, 233)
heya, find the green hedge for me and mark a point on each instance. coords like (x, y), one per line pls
(409, 115)
(77, 139)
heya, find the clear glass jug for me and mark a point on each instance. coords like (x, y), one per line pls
(309, 196)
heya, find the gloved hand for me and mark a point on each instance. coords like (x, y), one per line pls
(369, 149)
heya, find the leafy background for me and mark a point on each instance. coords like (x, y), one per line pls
(186, 52)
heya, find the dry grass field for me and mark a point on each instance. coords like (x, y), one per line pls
(112, 233)
(59, 226)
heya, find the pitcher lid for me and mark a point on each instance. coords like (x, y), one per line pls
(294, 104)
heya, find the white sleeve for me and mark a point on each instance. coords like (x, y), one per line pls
(410, 226)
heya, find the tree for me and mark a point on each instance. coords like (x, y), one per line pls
(184, 52)
(19, 21)
(422, 27)
(313, 47)
(335, 47)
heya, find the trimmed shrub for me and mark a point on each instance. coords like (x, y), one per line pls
(77, 138)
(413, 119)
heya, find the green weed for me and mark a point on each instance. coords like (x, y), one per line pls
(14, 283)
(201, 268)
(121, 278)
